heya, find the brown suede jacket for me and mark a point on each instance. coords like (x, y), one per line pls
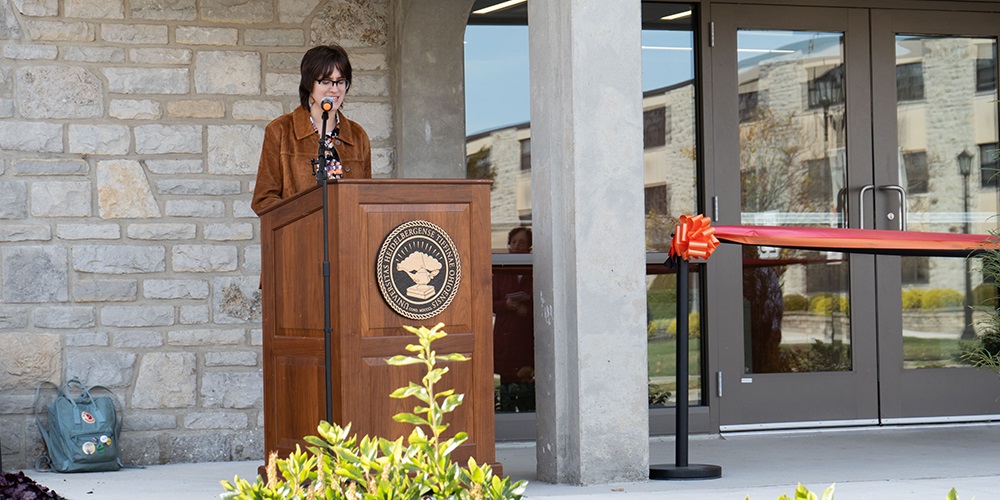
(290, 143)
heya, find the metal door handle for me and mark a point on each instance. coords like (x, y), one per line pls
(902, 202)
(861, 205)
(845, 216)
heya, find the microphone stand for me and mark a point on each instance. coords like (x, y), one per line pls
(322, 180)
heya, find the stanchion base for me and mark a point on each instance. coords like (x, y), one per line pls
(690, 471)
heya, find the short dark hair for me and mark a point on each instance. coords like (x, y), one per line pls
(526, 230)
(317, 63)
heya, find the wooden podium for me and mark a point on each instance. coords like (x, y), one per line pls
(366, 329)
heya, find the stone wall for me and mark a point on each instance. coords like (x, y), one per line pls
(129, 255)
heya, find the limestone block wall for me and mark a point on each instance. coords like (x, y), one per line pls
(129, 255)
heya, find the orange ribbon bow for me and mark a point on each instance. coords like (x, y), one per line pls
(694, 238)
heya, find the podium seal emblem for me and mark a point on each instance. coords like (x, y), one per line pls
(418, 269)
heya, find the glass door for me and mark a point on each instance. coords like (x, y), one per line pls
(859, 118)
(797, 342)
(934, 88)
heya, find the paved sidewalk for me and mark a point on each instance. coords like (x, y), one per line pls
(907, 462)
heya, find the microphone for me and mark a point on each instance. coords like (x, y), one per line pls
(327, 103)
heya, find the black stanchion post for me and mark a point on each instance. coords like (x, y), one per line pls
(681, 469)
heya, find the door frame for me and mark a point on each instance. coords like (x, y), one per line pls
(925, 394)
(771, 400)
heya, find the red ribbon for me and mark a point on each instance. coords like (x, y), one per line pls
(694, 238)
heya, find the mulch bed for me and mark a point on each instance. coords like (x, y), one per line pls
(17, 486)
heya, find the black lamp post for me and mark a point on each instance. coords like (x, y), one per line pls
(965, 168)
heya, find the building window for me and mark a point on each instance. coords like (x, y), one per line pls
(917, 174)
(654, 128)
(819, 182)
(986, 68)
(988, 165)
(526, 154)
(657, 200)
(748, 106)
(827, 89)
(916, 270)
(909, 82)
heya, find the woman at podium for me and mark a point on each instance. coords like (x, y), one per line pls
(291, 141)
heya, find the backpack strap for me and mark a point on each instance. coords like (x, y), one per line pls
(38, 394)
(44, 457)
(43, 461)
(119, 409)
(119, 420)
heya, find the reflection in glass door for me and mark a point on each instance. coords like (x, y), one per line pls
(791, 126)
(947, 137)
(793, 173)
(934, 88)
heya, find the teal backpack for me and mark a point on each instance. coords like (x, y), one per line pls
(83, 431)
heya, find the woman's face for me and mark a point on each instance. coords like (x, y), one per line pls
(519, 243)
(333, 85)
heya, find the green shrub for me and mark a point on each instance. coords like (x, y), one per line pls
(984, 352)
(913, 298)
(659, 394)
(803, 493)
(694, 326)
(829, 357)
(939, 298)
(796, 302)
(514, 397)
(826, 304)
(659, 328)
(338, 466)
(985, 294)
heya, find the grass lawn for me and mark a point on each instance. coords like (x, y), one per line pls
(931, 353)
(663, 358)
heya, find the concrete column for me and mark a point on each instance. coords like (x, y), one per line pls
(589, 243)
(428, 67)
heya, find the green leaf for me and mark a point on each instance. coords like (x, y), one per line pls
(433, 376)
(410, 390)
(953, 495)
(452, 402)
(400, 360)
(455, 356)
(409, 418)
(803, 493)
(828, 492)
(455, 442)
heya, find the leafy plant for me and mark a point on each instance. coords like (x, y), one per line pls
(694, 326)
(826, 304)
(938, 298)
(803, 493)
(17, 485)
(913, 298)
(338, 466)
(832, 356)
(985, 353)
(796, 302)
(515, 397)
(659, 394)
(659, 328)
(479, 166)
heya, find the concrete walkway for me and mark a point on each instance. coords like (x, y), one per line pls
(906, 462)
